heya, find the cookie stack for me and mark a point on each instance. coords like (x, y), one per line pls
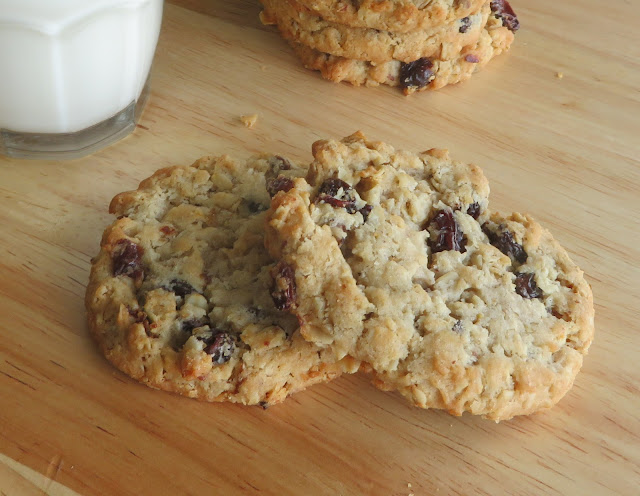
(249, 281)
(413, 44)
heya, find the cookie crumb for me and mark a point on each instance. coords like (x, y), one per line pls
(249, 120)
(409, 485)
(266, 19)
(559, 75)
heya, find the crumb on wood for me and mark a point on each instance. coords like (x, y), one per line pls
(266, 19)
(559, 75)
(249, 120)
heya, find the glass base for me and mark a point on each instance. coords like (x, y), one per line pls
(67, 146)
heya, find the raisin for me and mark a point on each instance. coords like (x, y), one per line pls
(503, 10)
(506, 244)
(332, 186)
(416, 74)
(127, 259)
(526, 285)
(280, 183)
(220, 346)
(458, 327)
(365, 211)
(191, 324)
(474, 210)
(181, 288)
(276, 182)
(338, 194)
(283, 290)
(472, 59)
(465, 24)
(450, 236)
(280, 163)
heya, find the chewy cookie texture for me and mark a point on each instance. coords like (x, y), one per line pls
(373, 45)
(398, 262)
(179, 296)
(249, 281)
(393, 15)
(345, 42)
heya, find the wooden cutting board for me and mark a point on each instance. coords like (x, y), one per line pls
(564, 149)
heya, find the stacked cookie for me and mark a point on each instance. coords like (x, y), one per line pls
(246, 282)
(412, 44)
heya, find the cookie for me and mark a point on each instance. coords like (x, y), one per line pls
(350, 186)
(398, 262)
(419, 75)
(393, 15)
(509, 323)
(181, 298)
(296, 23)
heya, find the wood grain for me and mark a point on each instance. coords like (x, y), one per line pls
(565, 150)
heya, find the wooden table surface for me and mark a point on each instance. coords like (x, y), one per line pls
(564, 149)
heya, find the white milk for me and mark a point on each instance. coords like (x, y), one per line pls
(66, 65)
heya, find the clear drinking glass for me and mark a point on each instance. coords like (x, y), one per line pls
(74, 74)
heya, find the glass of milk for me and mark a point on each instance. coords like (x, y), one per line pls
(73, 73)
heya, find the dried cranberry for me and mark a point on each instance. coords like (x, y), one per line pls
(280, 183)
(474, 210)
(450, 236)
(283, 290)
(417, 74)
(221, 346)
(127, 259)
(167, 230)
(465, 24)
(526, 285)
(338, 194)
(505, 243)
(191, 324)
(365, 211)
(503, 10)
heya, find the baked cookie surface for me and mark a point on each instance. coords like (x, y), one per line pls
(510, 320)
(393, 15)
(181, 296)
(357, 188)
(399, 263)
(418, 75)
(301, 25)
